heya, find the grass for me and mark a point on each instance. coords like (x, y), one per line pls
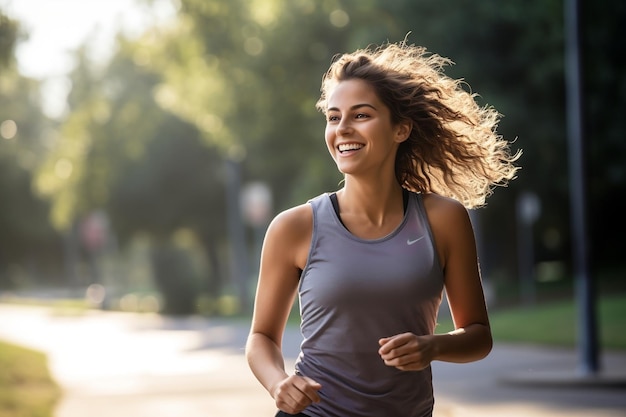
(26, 388)
(556, 323)
(60, 306)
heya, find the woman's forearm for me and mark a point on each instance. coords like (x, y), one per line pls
(266, 361)
(467, 344)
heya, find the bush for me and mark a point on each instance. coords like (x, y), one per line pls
(176, 279)
(26, 388)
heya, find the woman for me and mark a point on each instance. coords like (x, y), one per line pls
(370, 261)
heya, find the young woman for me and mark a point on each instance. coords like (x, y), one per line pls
(370, 261)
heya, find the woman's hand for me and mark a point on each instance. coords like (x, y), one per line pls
(406, 351)
(295, 393)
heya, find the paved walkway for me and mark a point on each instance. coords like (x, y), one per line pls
(119, 364)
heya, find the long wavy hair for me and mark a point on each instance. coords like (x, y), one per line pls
(453, 149)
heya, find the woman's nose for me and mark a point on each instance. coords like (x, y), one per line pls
(344, 127)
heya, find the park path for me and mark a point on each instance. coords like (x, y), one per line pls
(123, 364)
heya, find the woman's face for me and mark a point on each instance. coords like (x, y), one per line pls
(359, 134)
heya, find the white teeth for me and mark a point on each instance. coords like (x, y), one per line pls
(349, 147)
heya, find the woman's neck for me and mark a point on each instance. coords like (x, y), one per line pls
(372, 204)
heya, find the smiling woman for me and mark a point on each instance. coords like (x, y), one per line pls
(370, 261)
(56, 29)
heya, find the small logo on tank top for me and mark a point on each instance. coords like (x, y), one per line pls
(410, 242)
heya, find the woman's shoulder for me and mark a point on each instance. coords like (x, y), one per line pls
(450, 224)
(444, 210)
(295, 220)
(289, 234)
(298, 217)
(440, 202)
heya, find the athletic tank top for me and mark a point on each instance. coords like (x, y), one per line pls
(354, 291)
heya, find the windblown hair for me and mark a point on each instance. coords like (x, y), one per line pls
(453, 149)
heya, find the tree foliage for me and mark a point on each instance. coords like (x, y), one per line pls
(27, 241)
(148, 134)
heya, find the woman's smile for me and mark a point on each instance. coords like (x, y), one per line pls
(345, 148)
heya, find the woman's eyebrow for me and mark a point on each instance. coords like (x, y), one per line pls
(355, 107)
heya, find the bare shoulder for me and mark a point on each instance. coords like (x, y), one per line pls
(296, 220)
(289, 234)
(444, 209)
(451, 226)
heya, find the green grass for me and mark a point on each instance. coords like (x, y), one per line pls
(556, 323)
(26, 388)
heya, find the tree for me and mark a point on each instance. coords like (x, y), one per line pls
(29, 246)
(234, 84)
(9, 31)
(143, 166)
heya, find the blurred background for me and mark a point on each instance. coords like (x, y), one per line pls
(146, 144)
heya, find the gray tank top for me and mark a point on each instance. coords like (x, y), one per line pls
(352, 292)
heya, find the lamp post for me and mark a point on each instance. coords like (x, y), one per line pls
(256, 206)
(588, 339)
(528, 211)
(236, 231)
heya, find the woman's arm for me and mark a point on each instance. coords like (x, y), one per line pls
(454, 236)
(284, 254)
(471, 340)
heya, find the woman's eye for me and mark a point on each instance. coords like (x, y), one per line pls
(361, 116)
(332, 118)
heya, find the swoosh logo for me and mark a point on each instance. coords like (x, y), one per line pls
(411, 242)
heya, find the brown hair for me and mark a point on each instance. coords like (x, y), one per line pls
(453, 148)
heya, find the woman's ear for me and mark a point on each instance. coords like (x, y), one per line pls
(403, 130)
